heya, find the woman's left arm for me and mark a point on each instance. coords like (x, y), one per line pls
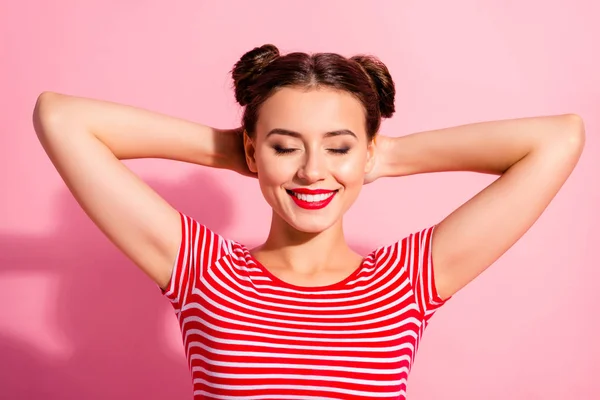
(534, 157)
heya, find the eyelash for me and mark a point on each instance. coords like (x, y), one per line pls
(282, 151)
(339, 151)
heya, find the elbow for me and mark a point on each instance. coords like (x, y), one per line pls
(575, 133)
(568, 135)
(46, 112)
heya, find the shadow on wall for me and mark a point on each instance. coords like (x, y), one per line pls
(108, 311)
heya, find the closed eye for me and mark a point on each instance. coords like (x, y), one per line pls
(283, 150)
(288, 150)
(339, 151)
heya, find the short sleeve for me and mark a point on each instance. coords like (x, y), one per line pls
(199, 248)
(417, 252)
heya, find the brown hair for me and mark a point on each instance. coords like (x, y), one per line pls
(262, 70)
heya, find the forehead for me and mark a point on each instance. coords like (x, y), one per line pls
(313, 111)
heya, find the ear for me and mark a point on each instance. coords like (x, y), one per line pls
(371, 155)
(250, 151)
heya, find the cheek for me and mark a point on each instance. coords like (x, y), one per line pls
(274, 170)
(351, 170)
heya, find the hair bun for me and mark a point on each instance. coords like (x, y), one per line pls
(382, 81)
(249, 67)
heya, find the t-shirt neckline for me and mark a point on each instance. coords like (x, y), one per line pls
(321, 288)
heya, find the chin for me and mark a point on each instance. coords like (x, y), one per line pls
(315, 224)
(311, 228)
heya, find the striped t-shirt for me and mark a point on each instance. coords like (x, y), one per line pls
(250, 335)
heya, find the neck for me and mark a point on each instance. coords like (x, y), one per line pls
(302, 252)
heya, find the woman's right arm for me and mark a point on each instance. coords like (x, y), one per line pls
(86, 139)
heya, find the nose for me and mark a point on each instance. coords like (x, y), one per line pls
(313, 168)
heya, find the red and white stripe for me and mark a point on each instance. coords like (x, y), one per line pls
(249, 335)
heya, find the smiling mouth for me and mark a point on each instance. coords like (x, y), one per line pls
(312, 197)
(312, 200)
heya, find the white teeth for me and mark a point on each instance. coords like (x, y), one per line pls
(311, 198)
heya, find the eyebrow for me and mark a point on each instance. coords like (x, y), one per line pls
(286, 132)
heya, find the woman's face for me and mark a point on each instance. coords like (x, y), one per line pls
(311, 153)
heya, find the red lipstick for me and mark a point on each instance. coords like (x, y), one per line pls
(312, 199)
(311, 191)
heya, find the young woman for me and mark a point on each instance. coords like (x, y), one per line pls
(303, 316)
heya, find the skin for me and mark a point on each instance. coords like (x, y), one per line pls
(290, 149)
(533, 158)
(86, 139)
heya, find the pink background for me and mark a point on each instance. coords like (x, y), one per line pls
(78, 321)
